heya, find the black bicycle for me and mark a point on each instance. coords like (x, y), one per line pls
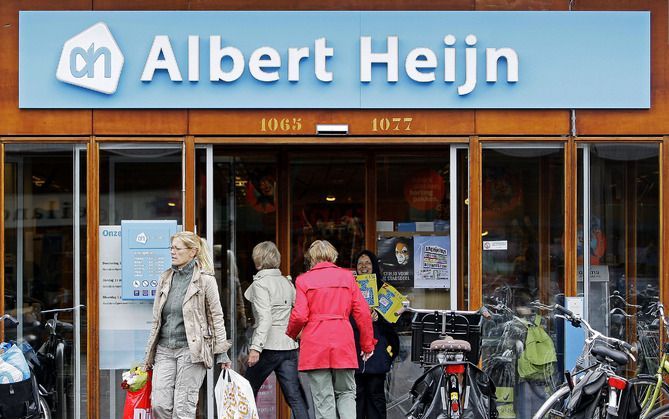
(447, 343)
(52, 357)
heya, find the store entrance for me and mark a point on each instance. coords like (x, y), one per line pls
(364, 198)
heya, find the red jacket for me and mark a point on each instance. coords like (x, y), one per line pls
(326, 297)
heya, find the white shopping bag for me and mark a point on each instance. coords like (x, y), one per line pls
(234, 397)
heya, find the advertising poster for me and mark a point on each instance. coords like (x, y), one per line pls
(390, 302)
(145, 255)
(369, 288)
(124, 325)
(432, 262)
(396, 256)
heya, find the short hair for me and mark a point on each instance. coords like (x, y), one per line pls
(266, 256)
(321, 251)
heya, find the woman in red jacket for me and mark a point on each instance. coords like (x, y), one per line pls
(326, 297)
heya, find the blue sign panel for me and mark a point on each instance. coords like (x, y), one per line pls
(145, 247)
(405, 59)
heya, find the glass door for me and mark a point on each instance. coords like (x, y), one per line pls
(523, 260)
(137, 182)
(45, 226)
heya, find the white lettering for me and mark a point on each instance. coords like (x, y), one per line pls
(367, 58)
(216, 55)
(492, 56)
(193, 58)
(295, 55)
(321, 54)
(470, 67)
(161, 45)
(449, 59)
(420, 58)
(257, 62)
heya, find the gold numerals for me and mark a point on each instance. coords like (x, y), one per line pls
(280, 124)
(395, 123)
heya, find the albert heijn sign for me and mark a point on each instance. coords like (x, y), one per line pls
(352, 59)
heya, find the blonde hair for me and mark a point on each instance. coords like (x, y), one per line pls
(321, 251)
(266, 256)
(202, 254)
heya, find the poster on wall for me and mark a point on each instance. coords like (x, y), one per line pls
(145, 255)
(124, 325)
(396, 257)
(432, 262)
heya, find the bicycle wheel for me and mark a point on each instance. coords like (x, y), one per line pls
(648, 394)
(659, 413)
(44, 409)
(553, 407)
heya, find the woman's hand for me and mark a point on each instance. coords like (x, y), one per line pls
(366, 355)
(375, 315)
(254, 356)
(225, 365)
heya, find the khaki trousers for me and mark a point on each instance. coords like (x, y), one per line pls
(176, 384)
(333, 391)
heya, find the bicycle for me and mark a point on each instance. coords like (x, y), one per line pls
(649, 388)
(600, 391)
(51, 374)
(43, 410)
(445, 342)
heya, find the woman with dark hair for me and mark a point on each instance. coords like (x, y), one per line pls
(370, 377)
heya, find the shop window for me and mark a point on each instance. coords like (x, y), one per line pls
(522, 261)
(618, 236)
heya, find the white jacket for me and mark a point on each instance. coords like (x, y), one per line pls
(272, 296)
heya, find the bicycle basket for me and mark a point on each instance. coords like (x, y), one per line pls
(426, 328)
(19, 400)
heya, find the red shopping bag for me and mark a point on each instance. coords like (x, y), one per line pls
(138, 403)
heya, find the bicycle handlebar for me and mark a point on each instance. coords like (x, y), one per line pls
(406, 307)
(62, 310)
(592, 334)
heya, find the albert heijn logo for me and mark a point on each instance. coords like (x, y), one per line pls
(91, 60)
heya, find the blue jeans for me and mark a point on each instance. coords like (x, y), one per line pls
(284, 365)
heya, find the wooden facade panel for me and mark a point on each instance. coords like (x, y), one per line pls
(140, 4)
(522, 122)
(532, 5)
(14, 121)
(635, 122)
(402, 122)
(331, 5)
(140, 122)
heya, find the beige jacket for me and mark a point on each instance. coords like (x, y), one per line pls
(203, 318)
(272, 296)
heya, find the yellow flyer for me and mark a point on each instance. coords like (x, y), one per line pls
(390, 301)
(367, 284)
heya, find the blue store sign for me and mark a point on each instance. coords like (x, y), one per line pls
(468, 60)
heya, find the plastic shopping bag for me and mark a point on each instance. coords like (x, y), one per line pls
(138, 403)
(234, 396)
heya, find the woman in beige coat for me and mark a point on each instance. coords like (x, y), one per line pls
(188, 329)
(272, 296)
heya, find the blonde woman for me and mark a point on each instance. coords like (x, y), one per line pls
(188, 329)
(272, 296)
(327, 296)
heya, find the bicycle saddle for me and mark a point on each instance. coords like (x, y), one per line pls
(604, 352)
(450, 344)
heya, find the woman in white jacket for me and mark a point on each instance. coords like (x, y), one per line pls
(272, 296)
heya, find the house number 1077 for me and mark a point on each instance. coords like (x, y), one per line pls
(392, 124)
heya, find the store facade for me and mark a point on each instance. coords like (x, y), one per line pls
(525, 194)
